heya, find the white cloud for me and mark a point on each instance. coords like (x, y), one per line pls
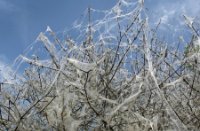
(191, 7)
(171, 12)
(4, 72)
(7, 74)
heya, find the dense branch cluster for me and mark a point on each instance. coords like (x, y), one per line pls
(117, 76)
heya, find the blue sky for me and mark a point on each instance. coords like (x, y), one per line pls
(21, 21)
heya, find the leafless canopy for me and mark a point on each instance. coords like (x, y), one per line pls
(115, 75)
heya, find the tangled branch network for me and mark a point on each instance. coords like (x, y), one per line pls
(108, 74)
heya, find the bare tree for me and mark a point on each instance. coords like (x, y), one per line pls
(119, 76)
